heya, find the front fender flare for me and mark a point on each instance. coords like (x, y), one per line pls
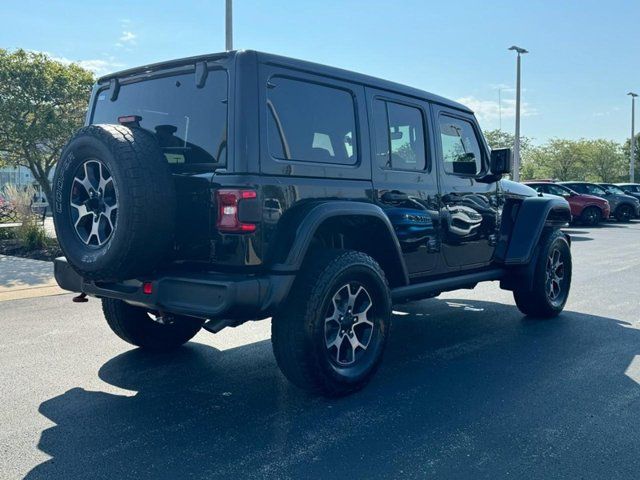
(534, 214)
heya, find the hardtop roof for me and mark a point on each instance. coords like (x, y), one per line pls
(297, 64)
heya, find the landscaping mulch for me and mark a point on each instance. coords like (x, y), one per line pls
(12, 247)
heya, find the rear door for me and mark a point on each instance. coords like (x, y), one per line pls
(404, 177)
(469, 207)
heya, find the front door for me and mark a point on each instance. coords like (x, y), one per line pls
(469, 207)
(404, 176)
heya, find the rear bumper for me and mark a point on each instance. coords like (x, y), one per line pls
(204, 295)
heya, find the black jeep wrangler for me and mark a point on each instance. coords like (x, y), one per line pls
(213, 190)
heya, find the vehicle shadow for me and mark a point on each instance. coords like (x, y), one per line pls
(580, 238)
(468, 389)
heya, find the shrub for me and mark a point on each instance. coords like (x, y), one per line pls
(20, 199)
(30, 233)
(7, 233)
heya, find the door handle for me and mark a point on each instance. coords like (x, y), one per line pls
(394, 196)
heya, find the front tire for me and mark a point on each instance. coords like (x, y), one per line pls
(591, 216)
(330, 335)
(552, 279)
(624, 213)
(139, 327)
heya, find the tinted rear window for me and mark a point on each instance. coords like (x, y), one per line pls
(190, 123)
(311, 122)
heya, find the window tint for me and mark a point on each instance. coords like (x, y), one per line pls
(310, 122)
(460, 148)
(594, 189)
(399, 131)
(557, 190)
(578, 187)
(615, 189)
(190, 123)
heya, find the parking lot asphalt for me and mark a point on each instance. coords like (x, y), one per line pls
(469, 388)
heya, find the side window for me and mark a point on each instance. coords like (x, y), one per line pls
(540, 188)
(578, 187)
(310, 122)
(399, 136)
(555, 190)
(594, 190)
(460, 148)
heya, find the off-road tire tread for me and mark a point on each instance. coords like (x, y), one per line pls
(133, 325)
(534, 302)
(152, 199)
(291, 327)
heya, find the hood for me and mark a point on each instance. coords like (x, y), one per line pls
(627, 198)
(515, 189)
(593, 198)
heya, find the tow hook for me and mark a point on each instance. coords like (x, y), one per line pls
(82, 298)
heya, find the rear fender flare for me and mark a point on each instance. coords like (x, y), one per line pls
(322, 212)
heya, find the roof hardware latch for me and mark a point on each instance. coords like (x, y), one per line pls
(201, 74)
(114, 88)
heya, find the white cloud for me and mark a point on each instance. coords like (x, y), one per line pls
(490, 109)
(127, 37)
(100, 67)
(501, 86)
(97, 66)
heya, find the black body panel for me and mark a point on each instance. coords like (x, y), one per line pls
(431, 222)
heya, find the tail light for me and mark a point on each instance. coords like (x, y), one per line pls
(229, 202)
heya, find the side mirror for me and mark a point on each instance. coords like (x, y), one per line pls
(501, 159)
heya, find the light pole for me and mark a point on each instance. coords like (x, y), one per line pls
(500, 108)
(632, 163)
(229, 25)
(516, 145)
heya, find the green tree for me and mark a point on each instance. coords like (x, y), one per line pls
(559, 159)
(500, 139)
(42, 102)
(603, 160)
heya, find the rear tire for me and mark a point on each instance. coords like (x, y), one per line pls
(551, 281)
(330, 335)
(134, 325)
(591, 216)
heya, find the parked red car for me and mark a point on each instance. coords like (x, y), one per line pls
(588, 209)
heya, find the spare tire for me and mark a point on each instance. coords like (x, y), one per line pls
(114, 203)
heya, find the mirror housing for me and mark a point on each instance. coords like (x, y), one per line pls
(501, 159)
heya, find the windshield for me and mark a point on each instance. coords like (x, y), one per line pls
(615, 189)
(190, 123)
(594, 189)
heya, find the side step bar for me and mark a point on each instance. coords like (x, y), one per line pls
(434, 287)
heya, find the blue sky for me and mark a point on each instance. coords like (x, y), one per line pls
(585, 55)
